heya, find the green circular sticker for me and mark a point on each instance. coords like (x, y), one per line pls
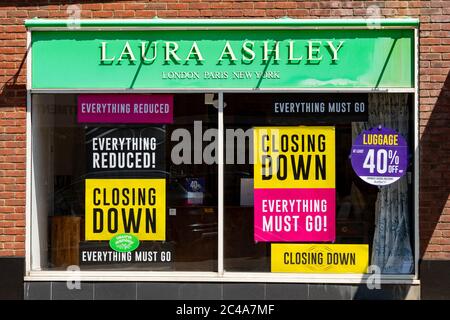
(124, 242)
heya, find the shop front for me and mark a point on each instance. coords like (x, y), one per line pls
(223, 159)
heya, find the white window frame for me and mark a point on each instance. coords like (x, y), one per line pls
(221, 275)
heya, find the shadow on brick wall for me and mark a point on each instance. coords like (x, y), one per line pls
(434, 169)
(434, 194)
(12, 92)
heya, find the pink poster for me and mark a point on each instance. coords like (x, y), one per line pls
(295, 215)
(125, 108)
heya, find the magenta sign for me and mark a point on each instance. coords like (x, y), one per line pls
(125, 108)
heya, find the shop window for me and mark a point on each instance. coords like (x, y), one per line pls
(380, 217)
(92, 186)
(85, 186)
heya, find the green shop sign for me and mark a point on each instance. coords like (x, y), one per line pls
(277, 54)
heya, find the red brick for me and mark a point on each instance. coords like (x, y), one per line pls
(200, 5)
(438, 78)
(233, 13)
(396, 4)
(168, 13)
(440, 49)
(312, 5)
(113, 6)
(19, 211)
(9, 216)
(6, 195)
(6, 253)
(320, 12)
(87, 14)
(18, 14)
(388, 12)
(8, 210)
(12, 245)
(265, 5)
(431, 248)
(13, 159)
(157, 6)
(135, 6)
(189, 13)
(145, 13)
(5, 238)
(177, 6)
(6, 224)
(443, 226)
(440, 255)
(276, 13)
(13, 231)
(297, 12)
(444, 241)
(221, 5)
(91, 6)
(430, 56)
(13, 187)
(17, 195)
(6, 166)
(409, 12)
(254, 13)
(13, 202)
(430, 11)
(342, 12)
(103, 14)
(19, 253)
(428, 41)
(20, 180)
(14, 173)
(14, 130)
(440, 18)
(19, 223)
(210, 13)
(124, 13)
(285, 5)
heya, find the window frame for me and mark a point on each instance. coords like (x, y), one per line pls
(31, 247)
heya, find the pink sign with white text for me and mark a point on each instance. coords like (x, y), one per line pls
(125, 108)
(295, 215)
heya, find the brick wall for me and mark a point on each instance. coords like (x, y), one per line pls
(434, 89)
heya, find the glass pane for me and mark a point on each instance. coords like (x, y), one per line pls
(123, 188)
(379, 216)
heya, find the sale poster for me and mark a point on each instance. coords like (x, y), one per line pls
(319, 258)
(126, 152)
(294, 184)
(125, 206)
(379, 156)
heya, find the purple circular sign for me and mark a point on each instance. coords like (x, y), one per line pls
(379, 156)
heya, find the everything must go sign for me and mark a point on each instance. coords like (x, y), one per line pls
(294, 184)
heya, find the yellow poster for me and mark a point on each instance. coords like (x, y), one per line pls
(134, 206)
(320, 258)
(294, 157)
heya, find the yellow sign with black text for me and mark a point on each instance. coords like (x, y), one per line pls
(320, 258)
(294, 157)
(132, 206)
